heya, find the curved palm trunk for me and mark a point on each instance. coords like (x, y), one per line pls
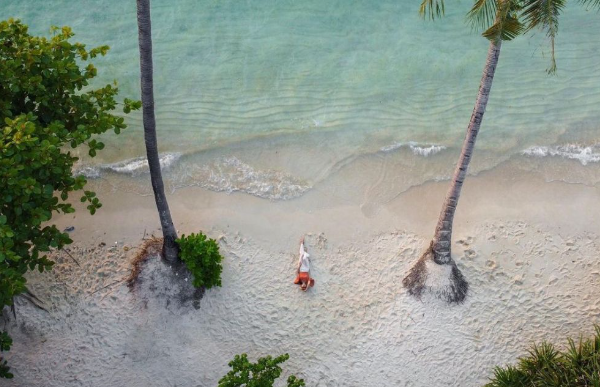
(170, 247)
(443, 231)
(455, 288)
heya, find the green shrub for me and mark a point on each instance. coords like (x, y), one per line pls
(260, 374)
(202, 258)
(577, 366)
(5, 343)
(47, 106)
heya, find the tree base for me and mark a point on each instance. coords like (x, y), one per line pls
(445, 281)
(153, 277)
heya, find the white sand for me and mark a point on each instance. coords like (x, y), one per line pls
(530, 250)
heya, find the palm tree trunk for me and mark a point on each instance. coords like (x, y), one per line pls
(170, 247)
(443, 232)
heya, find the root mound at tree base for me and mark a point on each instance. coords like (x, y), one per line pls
(150, 247)
(445, 282)
(153, 277)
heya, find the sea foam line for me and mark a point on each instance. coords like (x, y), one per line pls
(230, 174)
(424, 150)
(583, 154)
(133, 167)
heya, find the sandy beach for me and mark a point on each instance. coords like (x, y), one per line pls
(524, 245)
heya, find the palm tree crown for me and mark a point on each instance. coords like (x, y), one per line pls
(507, 19)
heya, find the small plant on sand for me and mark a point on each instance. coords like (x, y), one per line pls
(260, 374)
(202, 258)
(577, 366)
(5, 343)
(47, 108)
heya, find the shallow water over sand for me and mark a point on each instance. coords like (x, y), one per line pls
(290, 93)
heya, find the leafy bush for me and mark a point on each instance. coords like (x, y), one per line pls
(202, 258)
(43, 112)
(578, 366)
(5, 343)
(260, 374)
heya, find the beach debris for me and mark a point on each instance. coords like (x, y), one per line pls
(72, 257)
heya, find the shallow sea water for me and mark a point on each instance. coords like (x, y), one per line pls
(273, 98)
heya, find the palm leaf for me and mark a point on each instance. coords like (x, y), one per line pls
(544, 14)
(483, 14)
(591, 3)
(507, 25)
(433, 9)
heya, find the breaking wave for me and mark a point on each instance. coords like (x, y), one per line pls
(418, 149)
(581, 153)
(133, 167)
(229, 174)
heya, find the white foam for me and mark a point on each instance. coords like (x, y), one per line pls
(583, 154)
(392, 147)
(134, 167)
(230, 175)
(424, 150)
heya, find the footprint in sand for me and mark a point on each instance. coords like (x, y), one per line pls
(470, 253)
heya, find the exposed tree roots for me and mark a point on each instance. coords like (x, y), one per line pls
(445, 281)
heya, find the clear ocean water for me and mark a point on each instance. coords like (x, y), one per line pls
(277, 97)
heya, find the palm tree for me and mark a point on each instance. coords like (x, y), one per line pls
(170, 247)
(502, 20)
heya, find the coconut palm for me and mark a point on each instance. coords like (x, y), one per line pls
(501, 20)
(170, 248)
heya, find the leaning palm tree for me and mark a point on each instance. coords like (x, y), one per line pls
(170, 247)
(501, 20)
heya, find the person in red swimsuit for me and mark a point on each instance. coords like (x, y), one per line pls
(303, 278)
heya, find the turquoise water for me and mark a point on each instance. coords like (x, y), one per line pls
(273, 98)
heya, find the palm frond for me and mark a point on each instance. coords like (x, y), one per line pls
(432, 9)
(591, 3)
(544, 14)
(483, 14)
(507, 25)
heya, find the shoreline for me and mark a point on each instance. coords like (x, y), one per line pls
(502, 193)
(520, 242)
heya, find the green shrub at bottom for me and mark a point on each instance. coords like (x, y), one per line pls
(577, 366)
(202, 258)
(260, 374)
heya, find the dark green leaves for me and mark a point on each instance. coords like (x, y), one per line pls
(263, 373)
(202, 258)
(578, 366)
(129, 105)
(42, 110)
(5, 344)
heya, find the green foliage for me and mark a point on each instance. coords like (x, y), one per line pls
(507, 19)
(578, 366)
(5, 344)
(260, 374)
(202, 258)
(46, 106)
(432, 9)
